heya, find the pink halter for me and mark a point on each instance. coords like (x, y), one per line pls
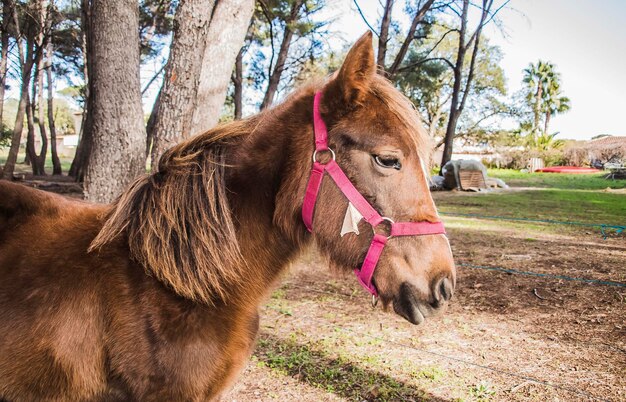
(370, 215)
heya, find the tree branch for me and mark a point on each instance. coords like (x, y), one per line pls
(419, 16)
(266, 13)
(417, 63)
(154, 77)
(470, 75)
(365, 19)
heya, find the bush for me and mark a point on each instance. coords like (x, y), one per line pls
(576, 156)
(518, 159)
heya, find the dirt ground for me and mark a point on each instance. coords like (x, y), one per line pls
(505, 337)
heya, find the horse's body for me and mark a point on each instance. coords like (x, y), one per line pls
(156, 296)
(79, 326)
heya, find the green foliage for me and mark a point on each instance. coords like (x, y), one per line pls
(270, 20)
(543, 100)
(5, 135)
(63, 115)
(482, 391)
(156, 20)
(544, 142)
(427, 79)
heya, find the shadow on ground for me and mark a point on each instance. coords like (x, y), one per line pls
(321, 369)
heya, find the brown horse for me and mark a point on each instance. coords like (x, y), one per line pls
(156, 297)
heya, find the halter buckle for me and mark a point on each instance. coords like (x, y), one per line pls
(391, 222)
(332, 153)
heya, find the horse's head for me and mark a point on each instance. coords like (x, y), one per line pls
(380, 144)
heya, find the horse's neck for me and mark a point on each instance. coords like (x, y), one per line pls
(270, 170)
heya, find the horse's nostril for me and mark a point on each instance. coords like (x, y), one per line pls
(446, 289)
(443, 290)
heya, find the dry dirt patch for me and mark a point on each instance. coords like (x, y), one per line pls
(320, 340)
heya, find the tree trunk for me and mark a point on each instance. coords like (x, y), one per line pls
(150, 124)
(177, 100)
(4, 42)
(114, 107)
(383, 38)
(26, 62)
(238, 84)
(56, 163)
(83, 150)
(537, 111)
(272, 86)
(457, 105)
(453, 118)
(227, 32)
(35, 160)
(547, 122)
(39, 163)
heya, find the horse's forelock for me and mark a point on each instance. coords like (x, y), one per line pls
(404, 110)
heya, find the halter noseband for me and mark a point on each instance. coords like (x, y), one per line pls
(370, 215)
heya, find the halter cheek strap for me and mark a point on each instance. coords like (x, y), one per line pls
(370, 215)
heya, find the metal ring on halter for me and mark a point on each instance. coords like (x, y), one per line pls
(374, 301)
(384, 219)
(315, 154)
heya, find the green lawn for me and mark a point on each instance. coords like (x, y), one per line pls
(515, 178)
(553, 204)
(562, 197)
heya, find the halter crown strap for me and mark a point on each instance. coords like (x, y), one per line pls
(321, 132)
(370, 215)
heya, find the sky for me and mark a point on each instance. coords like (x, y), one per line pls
(585, 39)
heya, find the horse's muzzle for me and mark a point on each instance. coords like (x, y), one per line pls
(413, 308)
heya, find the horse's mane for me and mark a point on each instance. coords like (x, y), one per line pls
(178, 221)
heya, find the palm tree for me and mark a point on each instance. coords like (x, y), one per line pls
(554, 103)
(538, 77)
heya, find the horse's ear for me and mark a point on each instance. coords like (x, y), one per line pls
(353, 79)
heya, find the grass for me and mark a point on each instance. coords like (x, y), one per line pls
(562, 197)
(311, 364)
(515, 178)
(553, 204)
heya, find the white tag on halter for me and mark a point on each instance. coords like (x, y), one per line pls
(351, 220)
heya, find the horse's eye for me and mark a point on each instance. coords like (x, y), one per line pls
(387, 162)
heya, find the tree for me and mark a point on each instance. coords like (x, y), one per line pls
(237, 80)
(226, 35)
(155, 24)
(537, 78)
(173, 110)
(4, 43)
(42, 32)
(26, 59)
(418, 17)
(544, 96)
(294, 19)
(553, 105)
(78, 36)
(56, 163)
(463, 77)
(114, 113)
